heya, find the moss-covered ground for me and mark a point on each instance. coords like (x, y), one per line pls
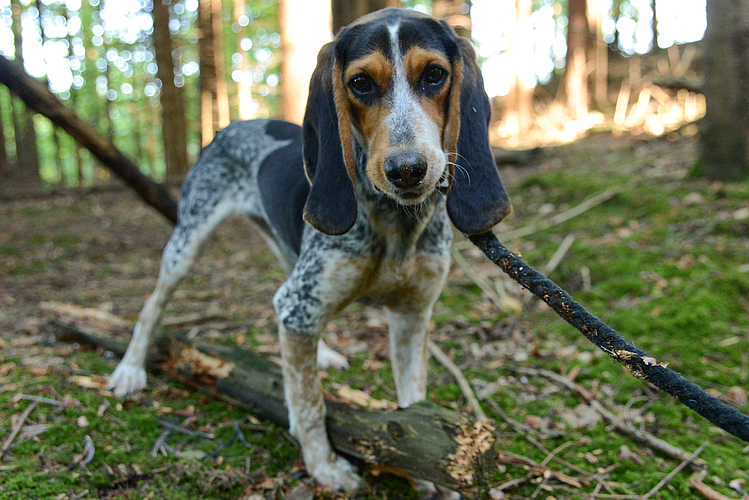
(664, 260)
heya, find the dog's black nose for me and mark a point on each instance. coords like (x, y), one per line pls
(406, 170)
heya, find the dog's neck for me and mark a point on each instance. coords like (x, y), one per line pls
(407, 225)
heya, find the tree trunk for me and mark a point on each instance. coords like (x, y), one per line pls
(39, 98)
(25, 175)
(305, 27)
(724, 131)
(576, 72)
(347, 11)
(214, 100)
(3, 151)
(519, 113)
(456, 12)
(173, 126)
(424, 441)
(246, 106)
(597, 14)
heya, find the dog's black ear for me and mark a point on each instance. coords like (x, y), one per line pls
(477, 201)
(331, 204)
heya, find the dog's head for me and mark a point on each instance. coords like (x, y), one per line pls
(408, 91)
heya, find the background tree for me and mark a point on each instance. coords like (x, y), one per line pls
(519, 102)
(456, 12)
(576, 69)
(347, 11)
(305, 27)
(173, 126)
(724, 131)
(26, 171)
(214, 99)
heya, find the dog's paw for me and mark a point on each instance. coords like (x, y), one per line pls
(328, 358)
(426, 490)
(336, 476)
(127, 379)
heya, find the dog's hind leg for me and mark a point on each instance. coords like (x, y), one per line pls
(179, 256)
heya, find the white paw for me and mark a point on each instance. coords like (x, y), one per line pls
(127, 379)
(337, 476)
(328, 358)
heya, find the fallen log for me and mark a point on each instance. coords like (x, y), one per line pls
(424, 441)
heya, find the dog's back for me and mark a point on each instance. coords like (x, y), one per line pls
(253, 168)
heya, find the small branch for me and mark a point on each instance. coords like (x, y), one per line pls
(641, 365)
(17, 428)
(184, 430)
(673, 473)
(465, 386)
(707, 491)
(618, 423)
(562, 217)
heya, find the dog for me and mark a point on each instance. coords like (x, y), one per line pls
(356, 204)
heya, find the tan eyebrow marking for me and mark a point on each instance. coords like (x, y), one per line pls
(418, 58)
(376, 65)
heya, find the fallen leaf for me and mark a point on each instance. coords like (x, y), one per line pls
(93, 382)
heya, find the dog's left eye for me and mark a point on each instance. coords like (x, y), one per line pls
(434, 75)
(361, 85)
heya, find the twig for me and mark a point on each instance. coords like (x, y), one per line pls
(562, 217)
(707, 491)
(519, 426)
(619, 424)
(492, 293)
(40, 399)
(555, 260)
(640, 364)
(673, 473)
(160, 441)
(465, 387)
(17, 428)
(184, 430)
(193, 318)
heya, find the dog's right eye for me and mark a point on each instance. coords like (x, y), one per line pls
(361, 85)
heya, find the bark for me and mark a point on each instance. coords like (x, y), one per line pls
(3, 151)
(305, 27)
(245, 106)
(576, 72)
(424, 441)
(456, 12)
(173, 126)
(347, 11)
(214, 100)
(519, 113)
(597, 13)
(26, 171)
(39, 98)
(724, 131)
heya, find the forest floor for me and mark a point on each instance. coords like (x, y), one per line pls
(661, 257)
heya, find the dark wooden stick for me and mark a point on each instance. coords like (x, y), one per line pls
(639, 363)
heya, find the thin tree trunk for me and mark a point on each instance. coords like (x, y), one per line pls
(214, 101)
(245, 104)
(347, 11)
(597, 13)
(456, 12)
(3, 151)
(724, 131)
(576, 72)
(26, 173)
(39, 98)
(173, 126)
(519, 114)
(305, 27)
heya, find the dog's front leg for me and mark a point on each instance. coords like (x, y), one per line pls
(304, 398)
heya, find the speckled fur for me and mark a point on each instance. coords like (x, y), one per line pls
(363, 239)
